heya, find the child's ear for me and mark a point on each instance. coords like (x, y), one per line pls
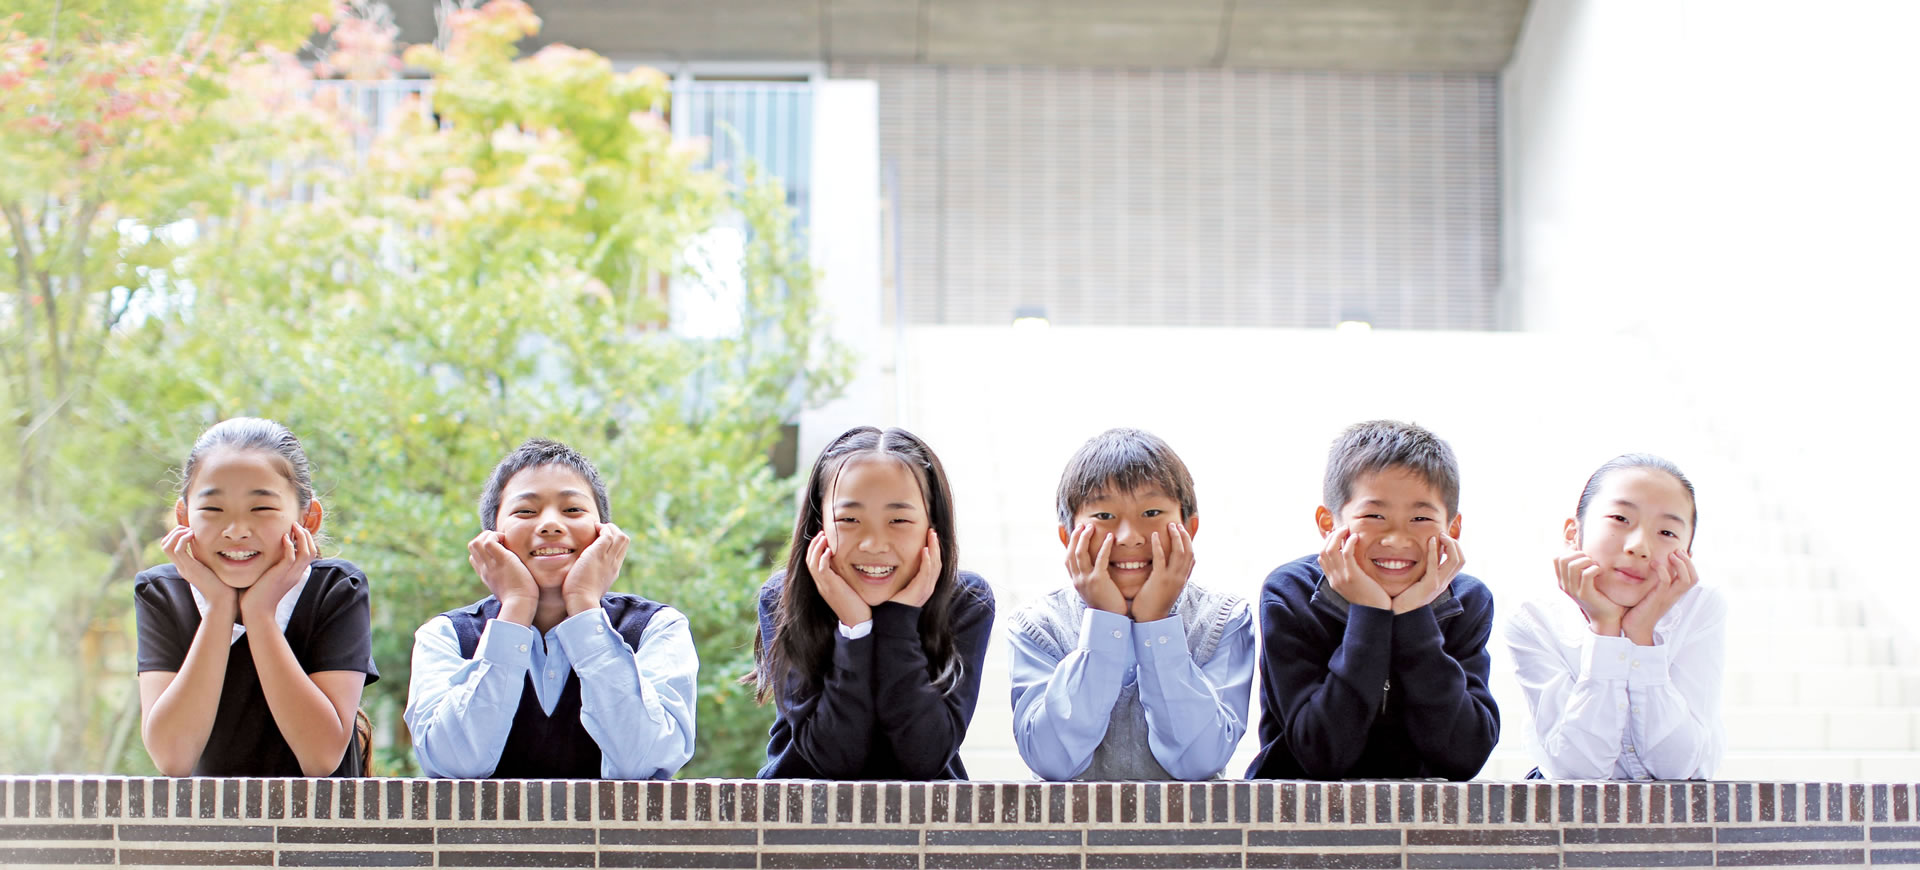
(1064, 536)
(1324, 519)
(311, 520)
(1573, 534)
(1453, 528)
(1193, 526)
(179, 511)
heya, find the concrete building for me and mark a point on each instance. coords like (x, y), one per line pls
(1576, 228)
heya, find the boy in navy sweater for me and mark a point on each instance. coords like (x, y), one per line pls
(1376, 647)
(553, 676)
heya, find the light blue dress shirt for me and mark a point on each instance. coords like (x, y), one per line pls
(636, 704)
(1195, 715)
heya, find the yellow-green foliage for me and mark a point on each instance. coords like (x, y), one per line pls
(465, 283)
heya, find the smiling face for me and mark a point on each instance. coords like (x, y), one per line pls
(1393, 512)
(240, 506)
(548, 516)
(876, 524)
(1132, 517)
(1638, 515)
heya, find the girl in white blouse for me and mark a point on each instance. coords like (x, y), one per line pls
(1622, 670)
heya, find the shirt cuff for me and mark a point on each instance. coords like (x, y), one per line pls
(1647, 666)
(855, 632)
(1162, 641)
(1105, 635)
(507, 643)
(589, 636)
(1611, 658)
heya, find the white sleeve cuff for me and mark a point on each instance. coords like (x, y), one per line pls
(589, 636)
(1605, 658)
(506, 643)
(1162, 641)
(856, 632)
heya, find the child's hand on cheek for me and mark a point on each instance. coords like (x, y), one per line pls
(1088, 568)
(1340, 562)
(920, 588)
(505, 575)
(258, 601)
(1673, 577)
(835, 589)
(592, 574)
(178, 545)
(1579, 578)
(1172, 567)
(1444, 561)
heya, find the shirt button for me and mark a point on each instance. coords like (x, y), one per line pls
(1116, 632)
(1629, 747)
(1623, 706)
(1163, 640)
(599, 629)
(549, 675)
(1636, 709)
(523, 647)
(1634, 665)
(1623, 657)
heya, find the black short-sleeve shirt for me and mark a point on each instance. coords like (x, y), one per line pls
(330, 629)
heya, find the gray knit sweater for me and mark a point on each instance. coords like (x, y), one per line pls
(1053, 625)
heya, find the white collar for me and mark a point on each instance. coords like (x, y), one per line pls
(281, 612)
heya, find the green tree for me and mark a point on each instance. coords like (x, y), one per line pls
(489, 272)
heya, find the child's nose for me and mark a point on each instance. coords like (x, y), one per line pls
(1638, 544)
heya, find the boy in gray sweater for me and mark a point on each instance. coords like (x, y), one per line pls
(1132, 672)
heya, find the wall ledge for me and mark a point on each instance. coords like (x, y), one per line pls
(122, 821)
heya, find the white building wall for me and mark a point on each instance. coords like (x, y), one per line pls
(1731, 186)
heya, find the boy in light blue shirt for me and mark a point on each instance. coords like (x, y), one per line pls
(1132, 672)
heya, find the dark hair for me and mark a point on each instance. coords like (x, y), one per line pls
(1127, 460)
(532, 454)
(1638, 460)
(253, 433)
(803, 623)
(1377, 445)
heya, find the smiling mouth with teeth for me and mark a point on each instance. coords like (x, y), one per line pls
(1394, 564)
(238, 555)
(876, 571)
(552, 551)
(1130, 566)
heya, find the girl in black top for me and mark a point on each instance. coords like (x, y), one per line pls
(253, 653)
(871, 641)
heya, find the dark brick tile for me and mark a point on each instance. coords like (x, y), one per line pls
(1331, 861)
(1636, 803)
(90, 799)
(1896, 856)
(679, 837)
(183, 798)
(1056, 804)
(1243, 802)
(1197, 800)
(1289, 803)
(512, 802)
(1496, 803)
(843, 803)
(1476, 804)
(677, 802)
(1263, 803)
(1856, 803)
(808, 860)
(116, 790)
(56, 832)
(1657, 804)
(727, 801)
(490, 800)
(1100, 860)
(1789, 803)
(1697, 803)
(1901, 803)
(1406, 810)
(960, 802)
(1880, 802)
(443, 800)
(1796, 834)
(41, 856)
(1153, 802)
(838, 837)
(1176, 802)
(892, 816)
(256, 800)
(985, 797)
(1430, 803)
(354, 858)
(1691, 858)
(1785, 857)
(974, 838)
(1567, 793)
(1031, 802)
(917, 805)
(869, 804)
(199, 857)
(1505, 838)
(1324, 838)
(556, 800)
(1766, 809)
(1608, 836)
(679, 859)
(196, 834)
(819, 795)
(466, 801)
(998, 860)
(1610, 803)
(1129, 804)
(495, 858)
(1219, 806)
(1496, 861)
(1895, 834)
(64, 803)
(1103, 804)
(1310, 809)
(323, 798)
(1810, 794)
(1164, 837)
(796, 802)
(515, 836)
(1336, 802)
(358, 835)
(1081, 801)
(369, 799)
(536, 793)
(1450, 804)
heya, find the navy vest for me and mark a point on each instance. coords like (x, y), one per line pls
(557, 746)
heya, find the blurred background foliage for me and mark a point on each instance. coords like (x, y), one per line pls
(196, 232)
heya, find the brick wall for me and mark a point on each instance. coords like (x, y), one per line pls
(393, 822)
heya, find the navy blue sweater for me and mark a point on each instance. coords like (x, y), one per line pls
(876, 714)
(1355, 692)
